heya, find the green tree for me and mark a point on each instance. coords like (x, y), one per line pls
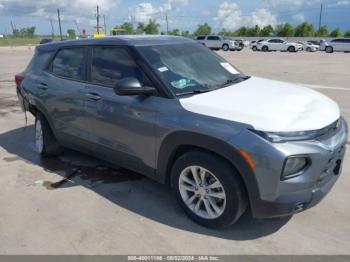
(253, 31)
(186, 33)
(71, 33)
(267, 31)
(152, 27)
(347, 33)
(304, 30)
(174, 32)
(203, 29)
(242, 31)
(26, 31)
(322, 32)
(284, 30)
(335, 33)
(128, 27)
(140, 28)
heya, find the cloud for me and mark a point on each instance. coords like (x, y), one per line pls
(230, 16)
(145, 11)
(290, 3)
(340, 3)
(299, 18)
(77, 9)
(262, 17)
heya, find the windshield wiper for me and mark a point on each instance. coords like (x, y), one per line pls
(194, 92)
(232, 81)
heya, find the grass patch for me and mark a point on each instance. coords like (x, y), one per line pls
(20, 41)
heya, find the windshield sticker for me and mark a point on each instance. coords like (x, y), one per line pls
(229, 68)
(163, 69)
(182, 83)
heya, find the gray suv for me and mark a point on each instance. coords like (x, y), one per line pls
(174, 111)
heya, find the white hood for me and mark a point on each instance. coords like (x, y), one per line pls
(267, 105)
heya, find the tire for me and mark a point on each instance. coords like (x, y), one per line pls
(291, 49)
(308, 49)
(225, 47)
(329, 49)
(45, 140)
(254, 48)
(265, 48)
(230, 197)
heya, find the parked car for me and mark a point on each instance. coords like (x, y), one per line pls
(254, 44)
(309, 46)
(45, 41)
(218, 42)
(337, 45)
(172, 110)
(277, 44)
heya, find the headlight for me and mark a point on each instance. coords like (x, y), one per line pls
(294, 166)
(278, 137)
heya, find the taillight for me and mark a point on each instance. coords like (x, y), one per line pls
(19, 78)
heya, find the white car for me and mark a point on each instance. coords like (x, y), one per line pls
(337, 45)
(277, 44)
(310, 47)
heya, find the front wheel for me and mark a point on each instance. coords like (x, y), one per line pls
(291, 49)
(265, 48)
(254, 48)
(329, 49)
(209, 190)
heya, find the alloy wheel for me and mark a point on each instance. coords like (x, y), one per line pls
(202, 192)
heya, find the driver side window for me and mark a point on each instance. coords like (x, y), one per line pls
(110, 64)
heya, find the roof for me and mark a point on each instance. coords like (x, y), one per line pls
(124, 40)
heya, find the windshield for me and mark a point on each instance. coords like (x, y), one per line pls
(189, 68)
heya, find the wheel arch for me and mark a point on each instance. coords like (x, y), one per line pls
(178, 143)
(37, 107)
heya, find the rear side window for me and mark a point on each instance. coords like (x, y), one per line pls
(110, 64)
(200, 37)
(213, 38)
(70, 63)
(337, 41)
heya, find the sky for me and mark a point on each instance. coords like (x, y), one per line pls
(182, 14)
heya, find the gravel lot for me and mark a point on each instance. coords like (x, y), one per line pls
(104, 211)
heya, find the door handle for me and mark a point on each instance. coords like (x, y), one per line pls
(93, 96)
(43, 86)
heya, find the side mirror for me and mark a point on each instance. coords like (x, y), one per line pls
(130, 86)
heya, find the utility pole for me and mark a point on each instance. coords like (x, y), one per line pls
(98, 20)
(104, 24)
(320, 19)
(76, 25)
(52, 30)
(13, 27)
(59, 22)
(167, 24)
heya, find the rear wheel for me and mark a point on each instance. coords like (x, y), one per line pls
(265, 48)
(225, 47)
(209, 190)
(329, 49)
(308, 49)
(254, 48)
(45, 141)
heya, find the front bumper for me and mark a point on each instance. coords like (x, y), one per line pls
(289, 203)
(272, 197)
